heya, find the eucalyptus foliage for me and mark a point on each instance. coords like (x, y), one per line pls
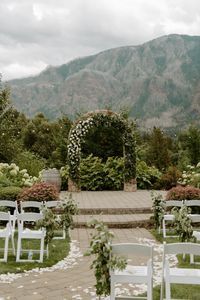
(100, 247)
(69, 209)
(49, 222)
(158, 209)
(183, 223)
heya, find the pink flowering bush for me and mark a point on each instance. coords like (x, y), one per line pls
(39, 192)
(183, 193)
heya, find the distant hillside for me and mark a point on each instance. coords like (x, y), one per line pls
(158, 81)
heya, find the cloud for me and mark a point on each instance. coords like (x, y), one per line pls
(34, 34)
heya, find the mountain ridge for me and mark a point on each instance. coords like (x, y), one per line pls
(159, 81)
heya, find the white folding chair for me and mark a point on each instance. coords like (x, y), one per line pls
(178, 275)
(140, 274)
(27, 233)
(168, 217)
(192, 203)
(11, 205)
(56, 204)
(30, 205)
(6, 233)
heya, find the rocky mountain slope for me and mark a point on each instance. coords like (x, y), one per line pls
(159, 82)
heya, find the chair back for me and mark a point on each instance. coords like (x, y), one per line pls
(30, 204)
(132, 248)
(29, 217)
(4, 216)
(194, 218)
(51, 204)
(182, 248)
(173, 203)
(8, 203)
(192, 202)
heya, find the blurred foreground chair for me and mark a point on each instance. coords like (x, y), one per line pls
(178, 275)
(140, 274)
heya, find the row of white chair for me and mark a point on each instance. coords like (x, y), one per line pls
(168, 217)
(144, 274)
(21, 217)
(23, 233)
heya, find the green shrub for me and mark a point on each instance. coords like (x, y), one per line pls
(31, 162)
(39, 192)
(9, 192)
(92, 173)
(183, 193)
(169, 179)
(146, 176)
(114, 168)
(64, 173)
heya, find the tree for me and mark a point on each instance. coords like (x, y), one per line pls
(159, 149)
(190, 142)
(48, 139)
(11, 124)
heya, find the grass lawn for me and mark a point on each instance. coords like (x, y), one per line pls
(58, 249)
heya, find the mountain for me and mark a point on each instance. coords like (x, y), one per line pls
(159, 82)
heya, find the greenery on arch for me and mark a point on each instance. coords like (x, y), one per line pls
(98, 118)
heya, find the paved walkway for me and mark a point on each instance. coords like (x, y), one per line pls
(73, 279)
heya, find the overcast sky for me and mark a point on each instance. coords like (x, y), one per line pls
(35, 34)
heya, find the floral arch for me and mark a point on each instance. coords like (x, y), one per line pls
(79, 131)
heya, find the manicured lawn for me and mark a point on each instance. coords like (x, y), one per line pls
(58, 250)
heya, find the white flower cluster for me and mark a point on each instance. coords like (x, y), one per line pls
(77, 133)
(191, 176)
(16, 176)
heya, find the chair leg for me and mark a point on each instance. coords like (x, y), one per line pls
(41, 249)
(13, 243)
(112, 290)
(192, 258)
(161, 290)
(6, 249)
(164, 228)
(64, 233)
(149, 290)
(167, 290)
(18, 249)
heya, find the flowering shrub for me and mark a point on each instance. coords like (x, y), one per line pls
(39, 192)
(183, 193)
(11, 175)
(81, 128)
(191, 176)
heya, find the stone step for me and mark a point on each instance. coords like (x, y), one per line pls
(115, 211)
(116, 221)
